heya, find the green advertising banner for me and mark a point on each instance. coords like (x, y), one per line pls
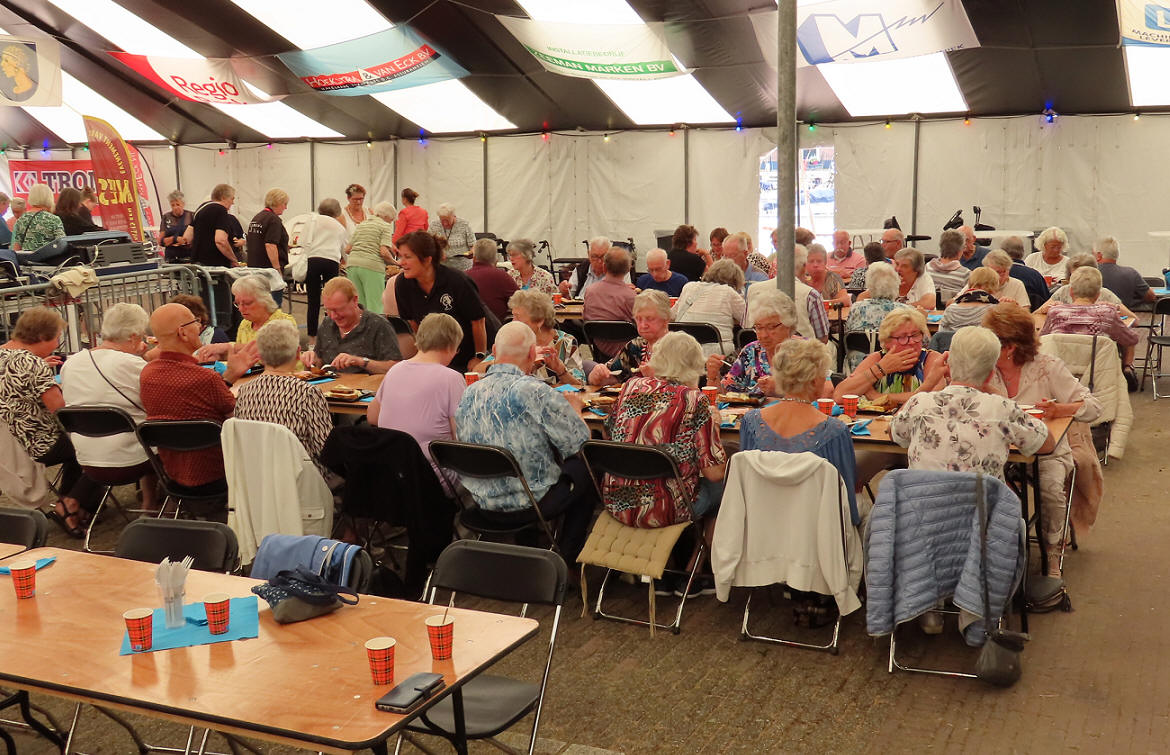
(597, 51)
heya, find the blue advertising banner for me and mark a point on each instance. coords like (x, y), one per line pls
(397, 58)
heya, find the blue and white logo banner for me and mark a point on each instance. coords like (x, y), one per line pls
(1144, 23)
(850, 31)
(397, 58)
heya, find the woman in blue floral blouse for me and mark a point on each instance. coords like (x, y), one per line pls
(774, 316)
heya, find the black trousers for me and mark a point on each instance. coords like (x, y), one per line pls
(74, 483)
(318, 272)
(574, 497)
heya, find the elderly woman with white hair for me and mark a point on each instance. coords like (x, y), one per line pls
(174, 224)
(558, 358)
(968, 307)
(794, 424)
(1087, 316)
(108, 375)
(279, 397)
(1063, 295)
(716, 299)
(457, 232)
(370, 250)
(522, 255)
(1050, 261)
(965, 427)
(652, 319)
(881, 298)
(774, 315)
(668, 411)
(256, 306)
(38, 225)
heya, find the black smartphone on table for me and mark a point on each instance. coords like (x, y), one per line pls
(410, 693)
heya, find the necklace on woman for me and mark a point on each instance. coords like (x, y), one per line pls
(796, 399)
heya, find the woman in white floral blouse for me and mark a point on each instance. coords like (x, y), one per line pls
(964, 427)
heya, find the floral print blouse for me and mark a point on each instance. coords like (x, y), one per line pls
(962, 429)
(541, 280)
(747, 369)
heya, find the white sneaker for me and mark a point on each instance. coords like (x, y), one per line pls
(931, 622)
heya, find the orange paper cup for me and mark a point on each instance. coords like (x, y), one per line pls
(1037, 413)
(24, 578)
(825, 405)
(712, 393)
(673, 300)
(218, 606)
(849, 404)
(557, 299)
(140, 628)
(441, 632)
(470, 377)
(380, 651)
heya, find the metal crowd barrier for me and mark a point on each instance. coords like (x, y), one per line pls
(149, 289)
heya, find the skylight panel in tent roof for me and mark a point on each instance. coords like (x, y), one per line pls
(679, 99)
(922, 84)
(445, 107)
(275, 120)
(1146, 69)
(78, 99)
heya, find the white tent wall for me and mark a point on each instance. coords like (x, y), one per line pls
(874, 174)
(444, 171)
(336, 166)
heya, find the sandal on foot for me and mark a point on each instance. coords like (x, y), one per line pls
(74, 531)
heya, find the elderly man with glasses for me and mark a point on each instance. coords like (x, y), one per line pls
(589, 272)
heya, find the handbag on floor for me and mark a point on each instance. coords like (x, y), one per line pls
(1001, 660)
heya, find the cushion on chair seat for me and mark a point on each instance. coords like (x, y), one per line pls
(491, 704)
(634, 550)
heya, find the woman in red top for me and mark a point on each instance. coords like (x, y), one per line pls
(410, 218)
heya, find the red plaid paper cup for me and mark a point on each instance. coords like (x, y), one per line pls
(557, 299)
(218, 606)
(825, 405)
(140, 628)
(24, 578)
(441, 632)
(1037, 413)
(849, 404)
(470, 377)
(712, 393)
(380, 651)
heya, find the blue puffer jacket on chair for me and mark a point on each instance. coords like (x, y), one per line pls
(923, 546)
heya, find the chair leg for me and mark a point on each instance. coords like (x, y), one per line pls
(894, 664)
(24, 705)
(745, 633)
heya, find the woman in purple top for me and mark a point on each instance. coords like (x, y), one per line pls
(1087, 316)
(419, 396)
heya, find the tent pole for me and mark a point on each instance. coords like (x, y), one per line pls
(785, 145)
(687, 176)
(914, 185)
(485, 183)
(312, 175)
(178, 180)
(394, 141)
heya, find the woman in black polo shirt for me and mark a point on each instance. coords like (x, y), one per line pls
(427, 286)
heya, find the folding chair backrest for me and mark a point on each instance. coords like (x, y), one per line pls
(861, 341)
(629, 460)
(475, 460)
(1162, 306)
(703, 332)
(401, 326)
(608, 330)
(180, 435)
(95, 421)
(501, 571)
(27, 527)
(941, 341)
(211, 544)
(744, 337)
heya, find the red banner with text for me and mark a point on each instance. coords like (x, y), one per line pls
(116, 178)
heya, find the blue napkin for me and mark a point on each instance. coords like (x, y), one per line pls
(566, 388)
(318, 381)
(934, 318)
(598, 412)
(1162, 292)
(41, 564)
(245, 624)
(722, 405)
(220, 367)
(365, 400)
(860, 428)
(57, 379)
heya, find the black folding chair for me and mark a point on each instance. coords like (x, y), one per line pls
(489, 704)
(27, 527)
(101, 422)
(482, 462)
(703, 332)
(1158, 339)
(211, 544)
(401, 326)
(180, 436)
(607, 330)
(744, 337)
(628, 550)
(941, 341)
